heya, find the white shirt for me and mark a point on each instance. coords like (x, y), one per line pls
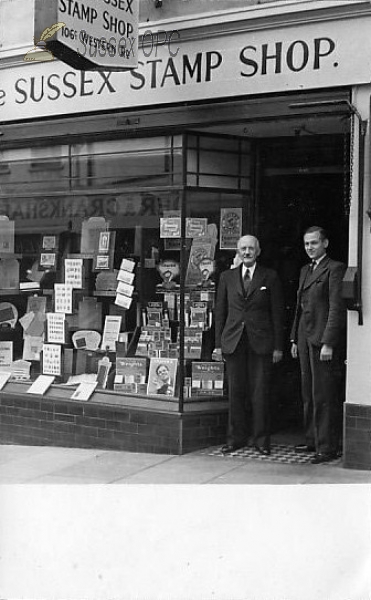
(316, 262)
(250, 269)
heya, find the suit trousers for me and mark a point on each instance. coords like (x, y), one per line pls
(249, 376)
(322, 402)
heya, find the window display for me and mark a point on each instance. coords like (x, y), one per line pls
(109, 275)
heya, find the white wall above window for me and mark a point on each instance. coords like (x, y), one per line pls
(16, 24)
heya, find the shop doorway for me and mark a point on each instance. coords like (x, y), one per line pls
(300, 181)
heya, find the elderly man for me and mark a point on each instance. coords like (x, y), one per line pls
(318, 337)
(249, 317)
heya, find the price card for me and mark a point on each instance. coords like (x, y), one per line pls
(49, 242)
(111, 332)
(125, 288)
(126, 277)
(123, 301)
(84, 391)
(63, 298)
(51, 359)
(4, 377)
(6, 355)
(102, 261)
(73, 272)
(48, 259)
(170, 227)
(127, 265)
(104, 241)
(32, 347)
(196, 227)
(41, 384)
(56, 328)
(6, 235)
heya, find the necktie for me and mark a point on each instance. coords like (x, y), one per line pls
(246, 281)
(313, 265)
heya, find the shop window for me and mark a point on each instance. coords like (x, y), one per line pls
(112, 279)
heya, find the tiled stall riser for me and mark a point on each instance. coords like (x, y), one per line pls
(357, 436)
(40, 422)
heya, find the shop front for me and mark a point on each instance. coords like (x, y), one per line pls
(122, 199)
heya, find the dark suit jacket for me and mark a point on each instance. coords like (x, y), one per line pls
(320, 303)
(260, 312)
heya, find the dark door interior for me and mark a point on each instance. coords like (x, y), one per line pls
(300, 182)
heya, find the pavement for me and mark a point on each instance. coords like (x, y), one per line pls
(56, 465)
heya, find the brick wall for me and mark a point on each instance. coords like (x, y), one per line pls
(357, 436)
(40, 421)
(203, 430)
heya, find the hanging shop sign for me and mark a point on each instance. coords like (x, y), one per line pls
(93, 35)
(305, 57)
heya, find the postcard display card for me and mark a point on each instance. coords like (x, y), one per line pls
(202, 248)
(56, 325)
(230, 227)
(56, 328)
(125, 280)
(131, 375)
(207, 378)
(170, 226)
(162, 376)
(63, 298)
(73, 272)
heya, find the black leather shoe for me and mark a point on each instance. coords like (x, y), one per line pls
(228, 448)
(304, 448)
(322, 458)
(264, 451)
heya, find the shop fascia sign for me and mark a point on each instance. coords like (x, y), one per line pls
(307, 57)
(93, 35)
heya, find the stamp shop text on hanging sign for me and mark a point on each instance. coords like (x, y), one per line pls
(89, 35)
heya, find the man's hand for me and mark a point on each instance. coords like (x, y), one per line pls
(326, 353)
(217, 354)
(277, 356)
(294, 350)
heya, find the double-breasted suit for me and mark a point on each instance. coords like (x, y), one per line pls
(248, 328)
(320, 318)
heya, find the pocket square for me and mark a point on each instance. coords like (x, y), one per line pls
(263, 288)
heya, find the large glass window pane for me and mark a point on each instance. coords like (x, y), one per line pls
(33, 170)
(149, 162)
(218, 161)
